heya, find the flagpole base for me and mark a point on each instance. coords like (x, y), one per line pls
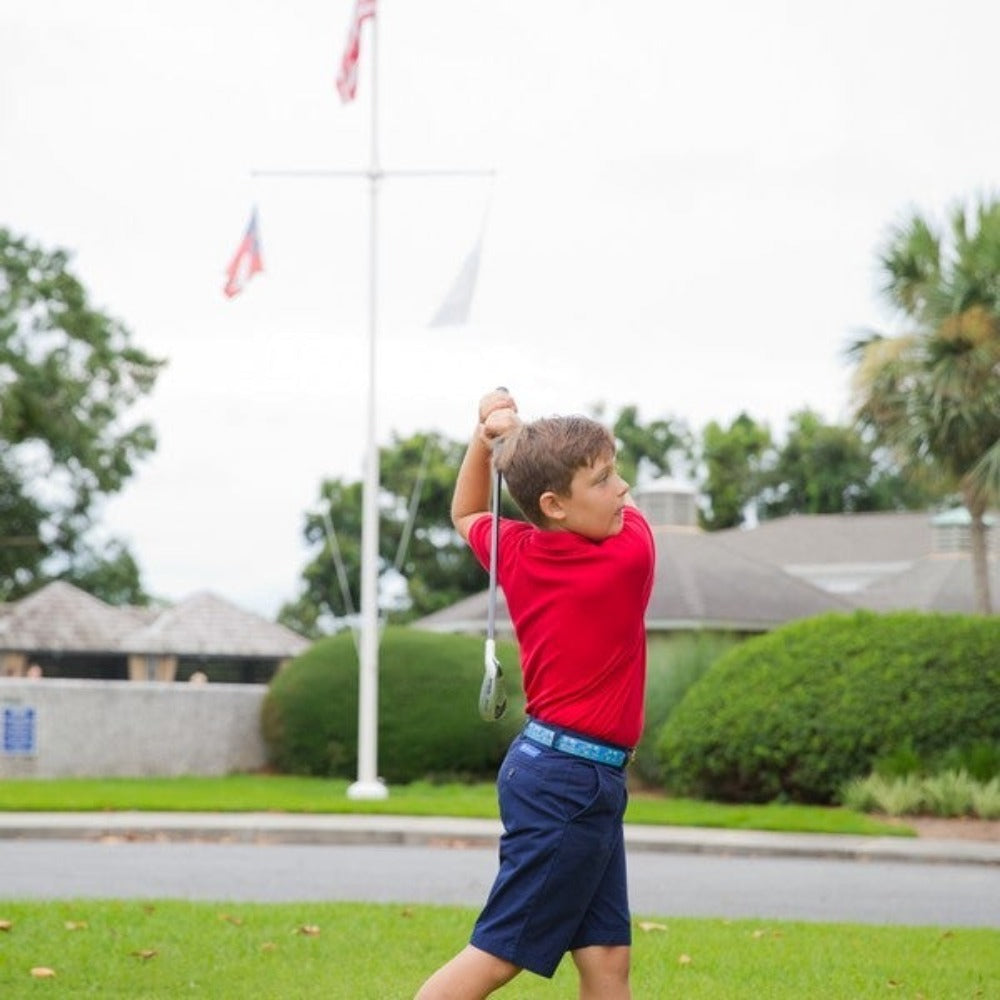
(367, 790)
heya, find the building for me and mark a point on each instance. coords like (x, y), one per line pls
(750, 580)
(60, 631)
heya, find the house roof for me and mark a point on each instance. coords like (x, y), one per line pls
(699, 583)
(61, 618)
(205, 624)
(884, 537)
(938, 582)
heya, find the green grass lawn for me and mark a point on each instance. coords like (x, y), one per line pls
(142, 950)
(274, 793)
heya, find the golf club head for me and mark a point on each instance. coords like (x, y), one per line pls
(493, 693)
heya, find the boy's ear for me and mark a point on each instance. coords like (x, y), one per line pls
(551, 505)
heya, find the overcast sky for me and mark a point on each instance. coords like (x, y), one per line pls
(686, 213)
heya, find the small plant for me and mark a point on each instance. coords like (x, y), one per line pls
(858, 794)
(949, 793)
(900, 797)
(986, 799)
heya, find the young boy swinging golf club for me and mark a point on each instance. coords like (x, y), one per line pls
(577, 576)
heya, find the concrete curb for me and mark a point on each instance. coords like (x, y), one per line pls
(436, 831)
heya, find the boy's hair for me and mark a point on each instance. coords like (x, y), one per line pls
(545, 454)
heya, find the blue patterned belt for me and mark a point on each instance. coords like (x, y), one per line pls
(578, 746)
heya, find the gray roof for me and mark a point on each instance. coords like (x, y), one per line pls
(885, 537)
(61, 618)
(703, 583)
(699, 583)
(205, 624)
(940, 582)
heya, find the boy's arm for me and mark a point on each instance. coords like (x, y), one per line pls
(497, 416)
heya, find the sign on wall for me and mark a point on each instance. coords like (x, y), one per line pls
(19, 731)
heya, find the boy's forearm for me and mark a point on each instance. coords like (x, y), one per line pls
(472, 488)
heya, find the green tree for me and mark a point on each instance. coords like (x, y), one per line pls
(731, 459)
(69, 373)
(653, 449)
(932, 394)
(831, 469)
(422, 560)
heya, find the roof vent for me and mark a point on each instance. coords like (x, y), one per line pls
(668, 502)
(952, 531)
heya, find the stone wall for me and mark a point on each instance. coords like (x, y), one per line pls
(53, 728)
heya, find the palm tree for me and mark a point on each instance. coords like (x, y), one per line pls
(933, 393)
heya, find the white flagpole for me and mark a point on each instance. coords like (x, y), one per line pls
(368, 785)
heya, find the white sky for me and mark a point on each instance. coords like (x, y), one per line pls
(688, 204)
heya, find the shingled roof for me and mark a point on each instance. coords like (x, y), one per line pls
(938, 582)
(205, 624)
(61, 618)
(699, 583)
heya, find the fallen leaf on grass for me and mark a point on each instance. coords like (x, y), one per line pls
(648, 925)
(145, 953)
(268, 946)
(41, 972)
(236, 921)
(684, 960)
(893, 984)
(6, 925)
(75, 925)
(310, 930)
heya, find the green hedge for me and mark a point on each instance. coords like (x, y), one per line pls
(429, 724)
(798, 712)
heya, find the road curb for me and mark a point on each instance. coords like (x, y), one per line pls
(436, 831)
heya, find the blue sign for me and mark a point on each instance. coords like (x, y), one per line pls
(19, 732)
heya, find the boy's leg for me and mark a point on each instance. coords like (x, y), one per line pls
(471, 975)
(603, 972)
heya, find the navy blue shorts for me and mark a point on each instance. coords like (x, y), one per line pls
(562, 880)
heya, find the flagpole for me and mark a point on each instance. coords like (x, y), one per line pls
(368, 784)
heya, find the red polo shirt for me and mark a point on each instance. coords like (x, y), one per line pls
(578, 608)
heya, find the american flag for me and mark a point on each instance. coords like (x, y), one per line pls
(246, 262)
(347, 78)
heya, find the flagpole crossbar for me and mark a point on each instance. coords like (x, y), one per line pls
(373, 174)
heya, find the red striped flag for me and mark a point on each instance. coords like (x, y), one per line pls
(246, 262)
(347, 78)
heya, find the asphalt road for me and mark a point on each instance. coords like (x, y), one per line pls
(662, 884)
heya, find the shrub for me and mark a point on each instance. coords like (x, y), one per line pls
(428, 718)
(675, 664)
(986, 799)
(949, 793)
(981, 760)
(798, 712)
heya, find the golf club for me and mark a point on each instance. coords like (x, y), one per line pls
(493, 693)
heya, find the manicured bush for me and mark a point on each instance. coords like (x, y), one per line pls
(798, 712)
(674, 664)
(429, 724)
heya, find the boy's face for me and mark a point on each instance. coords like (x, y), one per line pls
(597, 497)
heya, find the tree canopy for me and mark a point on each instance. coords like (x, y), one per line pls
(424, 566)
(69, 374)
(932, 393)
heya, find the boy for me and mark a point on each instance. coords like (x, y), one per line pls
(577, 578)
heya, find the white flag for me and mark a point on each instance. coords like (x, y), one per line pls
(454, 310)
